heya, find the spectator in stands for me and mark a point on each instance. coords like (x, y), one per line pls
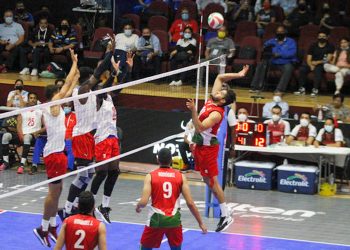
(299, 17)
(183, 54)
(276, 101)
(149, 52)
(201, 4)
(38, 45)
(177, 27)
(324, 17)
(18, 97)
(340, 64)
(142, 6)
(329, 135)
(284, 56)
(242, 116)
(11, 37)
(265, 16)
(241, 12)
(336, 109)
(63, 39)
(59, 82)
(287, 5)
(318, 54)
(9, 135)
(44, 12)
(70, 122)
(29, 127)
(185, 146)
(278, 128)
(22, 14)
(303, 133)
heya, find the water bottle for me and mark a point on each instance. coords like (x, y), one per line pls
(296, 116)
(325, 59)
(285, 162)
(267, 138)
(320, 115)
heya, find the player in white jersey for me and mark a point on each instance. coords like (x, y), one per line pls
(83, 139)
(54, 158)
(29, 127)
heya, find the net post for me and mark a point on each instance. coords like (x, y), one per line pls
(199, 60)
(206, 80)
(210, 200)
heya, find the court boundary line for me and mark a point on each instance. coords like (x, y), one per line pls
(209, 231)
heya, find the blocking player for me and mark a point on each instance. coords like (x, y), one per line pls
(83, 231)
(164, 186)
(206, 151)
(54, 158)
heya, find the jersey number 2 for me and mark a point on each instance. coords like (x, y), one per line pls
(81, 234)
(168, 189)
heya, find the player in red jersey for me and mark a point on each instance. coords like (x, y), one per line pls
(83, 230)
(164, 185)
(206, 150)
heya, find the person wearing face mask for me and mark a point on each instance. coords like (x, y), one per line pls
(283, 56)
(18, 97)
(340, 64)
(22, 14)
(242, 116)
(37, 45)
(303, 133)
(336, 109)
(62, 40)
(70, 122)
(183, 55)
(201, 4)
(318, 54)
(148, 54)
(265, 16)
(178, 26)
(300, 16)
(329, 135)
(11, 37)
(278, 128)
(324, 17)
(276, 100)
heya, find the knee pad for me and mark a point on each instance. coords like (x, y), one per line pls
(6, 138)
(27, 139)
(81, 180)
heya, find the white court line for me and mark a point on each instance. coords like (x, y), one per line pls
(33, 201)
(166, 239)
(194, 229)
(24, 204)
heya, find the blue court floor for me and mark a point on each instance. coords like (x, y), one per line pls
(16, 233)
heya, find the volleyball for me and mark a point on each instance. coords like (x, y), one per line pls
(215, 20)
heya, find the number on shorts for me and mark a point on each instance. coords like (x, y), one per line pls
(81, 234)
(31, 121)
(168, 189)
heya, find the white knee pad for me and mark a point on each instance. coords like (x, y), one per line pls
(6, 138)
(27, 139)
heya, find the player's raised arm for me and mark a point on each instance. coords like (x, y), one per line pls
(61, 238)
(146, 194)
(190, 204)
(102, 243)
(221, 78)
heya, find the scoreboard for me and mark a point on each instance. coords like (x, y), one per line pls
(251, 134)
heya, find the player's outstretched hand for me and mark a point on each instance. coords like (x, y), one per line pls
(130, 59)
(73, 56)
(244, 71)
(115, 64)
(204, 228)
(190, 104)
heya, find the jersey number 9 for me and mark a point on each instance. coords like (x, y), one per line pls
(168, 189)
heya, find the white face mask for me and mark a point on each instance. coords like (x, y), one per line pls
(328, 128)
(242, 117)
(275, 117)
(304, 122)
(277, 98)
(128, 32)
(8, 19)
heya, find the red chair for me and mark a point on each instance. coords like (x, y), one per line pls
(279, 12)
(93, 53)
(192, 9)
(79, 31)
(134, 18)
(337, 33)
(251, 41)
(159, 7)
(210, 8)
(270, 31)
(158, 23)
(244, 28)
(164, 44)
(309, 30)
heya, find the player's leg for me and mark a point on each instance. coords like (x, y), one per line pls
(27, 140)
(5, 141)
(38, 150)
(175, 237)
(151, 238)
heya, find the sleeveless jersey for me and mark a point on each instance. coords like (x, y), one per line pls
(86, 115)
(70, 122)
(303, 134)
(328, 138)
(81, 232)
(276, 131)
(210, 134)
(31, 121)
(166, 189)
(107, 120)
(56, 131)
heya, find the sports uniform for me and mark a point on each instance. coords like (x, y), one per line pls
(164, 215)
(207, 145)
(303, 133)
(278, 131)
(326, 138)
(81, 232)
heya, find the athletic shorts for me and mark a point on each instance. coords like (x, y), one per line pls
(206, 160)
(56, 164)
(152, 236)
(84, 146)
(107, 149)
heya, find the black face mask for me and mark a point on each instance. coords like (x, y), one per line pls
(64, 27)
(302, 7)
(18, 87)
(325, 9)
(322, 40)
(20, 11)
(280, 36)
(146, 37)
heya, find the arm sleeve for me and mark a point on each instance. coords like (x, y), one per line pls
(295, 131)
(338, 135)
(319, 135)
(266, 110)
(10, 95)
(231, 118)
(312, 131)
(156, 45)
(286, 128)
(290, 50)
(20, 30)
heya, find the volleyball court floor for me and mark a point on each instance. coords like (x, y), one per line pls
(263, 219)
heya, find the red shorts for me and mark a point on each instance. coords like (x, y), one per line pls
(84, 146)
(152, 237)
(56, 164)
(206, 160)
(107, 149)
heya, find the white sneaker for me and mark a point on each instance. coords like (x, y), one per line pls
(172, 83)
(24, 71)
(337, 92)
(34, 72)
(178, 83)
